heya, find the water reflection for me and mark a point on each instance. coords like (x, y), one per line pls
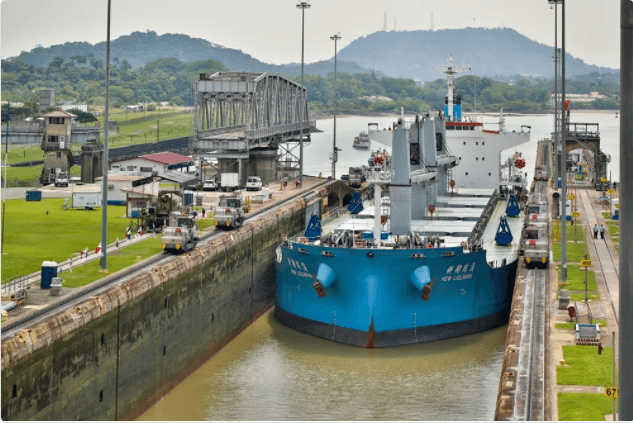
(271, 372)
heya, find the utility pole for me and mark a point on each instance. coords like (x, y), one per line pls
(303, 6)
(626, 209)
(104, 189)
(335, 150)
(563, 158)
(556, 135)
(6, 165)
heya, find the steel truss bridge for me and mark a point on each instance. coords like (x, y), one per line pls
(245, 116)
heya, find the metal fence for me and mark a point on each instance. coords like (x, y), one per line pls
(13, 287)
(21, 183)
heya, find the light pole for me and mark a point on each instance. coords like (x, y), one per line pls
(563, 154)
(6, 165)
(556, 135)
(335, 37)
(303, 6)
(563, 129)
(626, 210)
(104, 189)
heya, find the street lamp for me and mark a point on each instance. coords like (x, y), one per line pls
(557, 171)
(335, 151)
(104, 188)
(563, 159)
(303, 6)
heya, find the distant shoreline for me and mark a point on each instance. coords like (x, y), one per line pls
(328, 114)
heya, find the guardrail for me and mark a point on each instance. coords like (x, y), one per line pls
(259, 133)
(15, 285)
(21, 183)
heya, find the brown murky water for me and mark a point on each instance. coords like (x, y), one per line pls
(271, 372)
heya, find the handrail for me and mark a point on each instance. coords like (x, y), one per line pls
(258, 133)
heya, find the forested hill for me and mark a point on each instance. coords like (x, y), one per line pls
(493, 53)
(489, 52)
(140, 48)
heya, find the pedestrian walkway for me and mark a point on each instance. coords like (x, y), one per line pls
(606, 258)
(605, 265)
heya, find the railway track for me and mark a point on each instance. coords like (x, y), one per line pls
(604, 267)
(530, 387)
(97, 287)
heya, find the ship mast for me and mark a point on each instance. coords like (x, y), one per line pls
(449, 104)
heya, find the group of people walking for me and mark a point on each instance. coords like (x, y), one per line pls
(596, 230)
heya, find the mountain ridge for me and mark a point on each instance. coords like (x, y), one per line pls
(489, 52)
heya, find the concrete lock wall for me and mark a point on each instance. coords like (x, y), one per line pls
(116, 353)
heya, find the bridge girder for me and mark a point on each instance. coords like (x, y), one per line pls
(239, 114)
(255, 100)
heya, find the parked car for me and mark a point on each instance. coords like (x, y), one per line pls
(61, 180)
(209, 185)
(253, 183)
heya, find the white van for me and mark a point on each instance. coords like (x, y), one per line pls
(253, 183)
(61, 180)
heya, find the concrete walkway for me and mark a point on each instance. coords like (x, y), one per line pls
(605, 265)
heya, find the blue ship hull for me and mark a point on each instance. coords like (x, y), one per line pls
(374, 297)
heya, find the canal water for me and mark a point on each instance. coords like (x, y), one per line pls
(271, 372)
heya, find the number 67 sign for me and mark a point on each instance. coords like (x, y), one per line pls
(611, 391)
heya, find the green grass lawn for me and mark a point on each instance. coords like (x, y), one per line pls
(584, 407)
(576, 279)
(141, 132)
(19, 153)
(581, 296)
(117, 260)
(205, 223)
(614, 229)
(24, 173)
(572, 325)
(574, 232)
(32, 236)
(33, 172)
(586, 366)
(575, 251)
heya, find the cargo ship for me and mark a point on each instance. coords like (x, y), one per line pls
(426, 259)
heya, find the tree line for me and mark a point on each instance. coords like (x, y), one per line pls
(82, 78)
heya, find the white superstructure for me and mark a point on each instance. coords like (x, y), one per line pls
(477, 149)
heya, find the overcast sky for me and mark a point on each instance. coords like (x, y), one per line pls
(270, 30)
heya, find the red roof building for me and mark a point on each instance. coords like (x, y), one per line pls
(160, 162)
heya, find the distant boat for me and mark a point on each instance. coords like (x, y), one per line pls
(362, 141)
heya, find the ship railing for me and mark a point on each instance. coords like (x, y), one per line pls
(478, 230)
(379, 177)
(503, 261)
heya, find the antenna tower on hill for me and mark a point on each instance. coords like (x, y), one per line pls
(384, 24)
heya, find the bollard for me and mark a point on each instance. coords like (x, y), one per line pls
(563, 299)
